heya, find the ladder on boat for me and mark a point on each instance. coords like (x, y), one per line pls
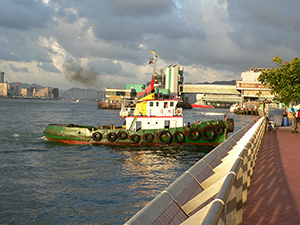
(132, 124)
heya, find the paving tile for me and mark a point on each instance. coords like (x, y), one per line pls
(274, 193)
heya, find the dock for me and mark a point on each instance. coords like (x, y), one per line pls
(274, 193)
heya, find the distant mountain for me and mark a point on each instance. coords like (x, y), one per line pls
(231, 82)
(81, 89)
(25, 85)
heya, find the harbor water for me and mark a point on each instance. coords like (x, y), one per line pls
(45, 182)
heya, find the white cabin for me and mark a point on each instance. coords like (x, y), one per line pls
(156, 114)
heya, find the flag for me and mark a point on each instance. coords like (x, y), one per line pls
(149, 90)
(150, 62)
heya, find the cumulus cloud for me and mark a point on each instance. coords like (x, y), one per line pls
(18, 69)
(48, 67)
(212, 40)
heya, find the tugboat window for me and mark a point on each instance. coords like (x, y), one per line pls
(151, 104)
(167, 123)
(166, 105)
(157, 103)
(172, 104)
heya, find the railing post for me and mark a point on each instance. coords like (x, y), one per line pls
(246, 167)
(239, 195)
(231, 206)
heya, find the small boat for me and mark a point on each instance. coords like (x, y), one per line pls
(152, 122)
(233, 107)
(201, 106)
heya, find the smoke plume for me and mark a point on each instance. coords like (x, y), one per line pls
(76, 73)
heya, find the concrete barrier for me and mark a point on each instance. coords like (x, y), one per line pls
(214, 189)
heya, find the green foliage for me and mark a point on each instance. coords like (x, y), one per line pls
(284, 81)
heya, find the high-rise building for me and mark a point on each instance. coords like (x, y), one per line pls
(1, 77)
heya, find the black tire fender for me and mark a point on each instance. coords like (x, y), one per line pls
(97, 136)
(162, 134)
(148, 137)
(219, 129)
(135, 138)
(230, 123)
(193, 134)
(205, 131)
(122, 135)
(111, 137)
(178, 137)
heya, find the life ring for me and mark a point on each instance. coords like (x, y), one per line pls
(178, 111)
(148, 137)
(135, 138)
(111, 137)
(193, 134)
(97, 136)
(122, 135)
(219, 129)
(164, 137)
(208, 133)
(178, 137)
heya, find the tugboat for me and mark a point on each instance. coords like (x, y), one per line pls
(153, 122)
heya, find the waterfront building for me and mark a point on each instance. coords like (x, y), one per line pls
(216, 95)
(26, 92)
(250, 88)
(123, 93)
(4, 89)
(46, 92)
(1, 77)
(173, 78)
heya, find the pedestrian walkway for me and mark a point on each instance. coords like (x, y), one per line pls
(274, 193)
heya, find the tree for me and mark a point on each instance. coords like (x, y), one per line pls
(284, 81)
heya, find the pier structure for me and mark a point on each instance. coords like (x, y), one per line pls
(252, 178)
(212, 94)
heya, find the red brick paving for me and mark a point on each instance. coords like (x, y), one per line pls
(274, 193)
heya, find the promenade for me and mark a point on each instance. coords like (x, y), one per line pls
(274, 193)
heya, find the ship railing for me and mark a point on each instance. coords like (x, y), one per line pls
(214, 189)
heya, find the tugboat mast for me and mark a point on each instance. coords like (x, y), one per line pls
(154, 61)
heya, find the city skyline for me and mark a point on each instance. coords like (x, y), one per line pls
(107, 43)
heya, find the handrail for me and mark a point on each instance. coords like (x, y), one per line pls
(232, 185)
(214, 188)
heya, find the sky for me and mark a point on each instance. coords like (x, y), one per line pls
(106, 43)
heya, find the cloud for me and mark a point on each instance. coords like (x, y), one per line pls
(18, 69)
(24, 15)
(48, 67)
(111, 39)
(107, 67)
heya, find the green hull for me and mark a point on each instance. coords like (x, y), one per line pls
(200, 133)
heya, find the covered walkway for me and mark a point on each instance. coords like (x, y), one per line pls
(274, 193)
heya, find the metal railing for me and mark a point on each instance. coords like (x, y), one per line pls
(214, 189)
